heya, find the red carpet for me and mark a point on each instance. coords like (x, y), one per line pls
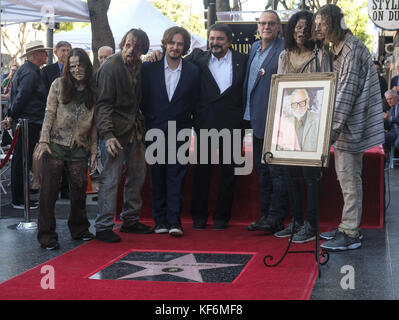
(292, 279)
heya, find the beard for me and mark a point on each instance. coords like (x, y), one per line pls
(299, 113)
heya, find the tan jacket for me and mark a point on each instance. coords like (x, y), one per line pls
(65, 124)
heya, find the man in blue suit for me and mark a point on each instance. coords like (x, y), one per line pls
(391, 121)
(170, 90)
(262, 64)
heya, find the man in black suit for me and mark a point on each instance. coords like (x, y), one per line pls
(220, 107)
(49, 73)
(54, 70)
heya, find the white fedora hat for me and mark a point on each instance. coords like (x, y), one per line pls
(35, 45)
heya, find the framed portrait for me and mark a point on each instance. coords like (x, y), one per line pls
(299, 119)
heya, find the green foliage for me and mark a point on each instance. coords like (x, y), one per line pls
(356, 16)
(68, 26)
(180, 13)
(64, 26)
(356, 19)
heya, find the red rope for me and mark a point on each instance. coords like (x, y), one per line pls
(13, 143)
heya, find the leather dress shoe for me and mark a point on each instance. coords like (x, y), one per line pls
(199, 224)
(254, 225)
(267, 225)
(219, 225)
(107, 236)
(136, 228)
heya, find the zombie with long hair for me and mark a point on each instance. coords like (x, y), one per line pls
(68, 138)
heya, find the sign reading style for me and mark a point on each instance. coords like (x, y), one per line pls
(384, 13)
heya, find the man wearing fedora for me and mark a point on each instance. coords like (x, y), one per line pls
(27, 101)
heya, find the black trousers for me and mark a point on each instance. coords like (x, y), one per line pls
(294, 176)
(17, 178)
(201, 185)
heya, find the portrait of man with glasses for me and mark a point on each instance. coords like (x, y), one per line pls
(299, 124)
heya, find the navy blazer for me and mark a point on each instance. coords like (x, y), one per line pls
(155, 105)
(259, 99)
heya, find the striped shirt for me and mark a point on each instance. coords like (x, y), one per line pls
(358, 121)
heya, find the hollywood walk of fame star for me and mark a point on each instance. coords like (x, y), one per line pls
(184, 267)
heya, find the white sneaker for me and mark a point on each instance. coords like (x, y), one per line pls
(33, 205)
(161, 228)
(176, 231)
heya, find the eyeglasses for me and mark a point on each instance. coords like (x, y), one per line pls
(268, 23)
(299, 104)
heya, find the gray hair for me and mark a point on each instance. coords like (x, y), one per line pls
(392, 92)
(106, 48)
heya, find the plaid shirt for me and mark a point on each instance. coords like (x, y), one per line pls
(357, 122)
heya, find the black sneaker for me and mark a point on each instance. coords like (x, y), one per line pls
(136, 228)
(305, 234)
(53, 245)
(288, 230)
(33, 205)
(107, 236)
(161, 228)
(86, 236)
(176, 231)
(331, 235)
(341, 242)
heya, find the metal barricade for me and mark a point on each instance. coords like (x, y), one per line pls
(27, 224)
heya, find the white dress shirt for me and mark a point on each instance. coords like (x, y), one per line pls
(222, 70)
(171, 78)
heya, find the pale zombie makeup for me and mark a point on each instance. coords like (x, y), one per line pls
(77, 70)
(299, 32)
(129, 50)
(320, 27)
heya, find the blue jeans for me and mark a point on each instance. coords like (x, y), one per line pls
(272, 186)
(132, 156)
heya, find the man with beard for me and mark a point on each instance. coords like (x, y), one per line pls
(220, 107)
(119, 123)
(357, 122)
(170, 91)
(299, 132)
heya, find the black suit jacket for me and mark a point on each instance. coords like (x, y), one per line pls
(217, 110)
(155, 104)
(49, 74)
